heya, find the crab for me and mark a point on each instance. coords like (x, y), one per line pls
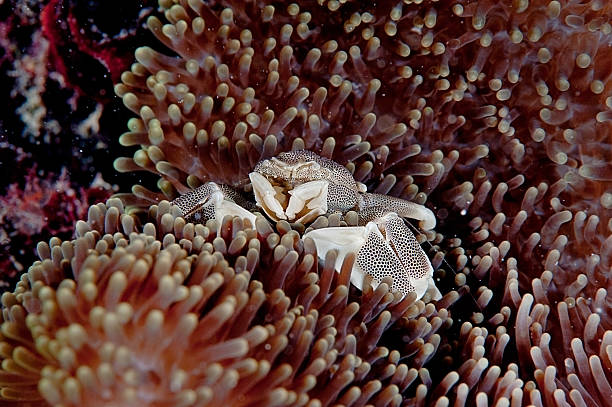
(299, 186)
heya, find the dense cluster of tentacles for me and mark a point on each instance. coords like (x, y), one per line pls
(496, 115)
(167, 313)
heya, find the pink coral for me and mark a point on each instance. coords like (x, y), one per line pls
(42, 207)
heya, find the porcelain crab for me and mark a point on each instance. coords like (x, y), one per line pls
(299, 186)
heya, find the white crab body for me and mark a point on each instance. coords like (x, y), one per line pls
(299, 186)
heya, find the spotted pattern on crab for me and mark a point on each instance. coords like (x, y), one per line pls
(385, 248)
(370, 261)
(299, 186)
(302, 166)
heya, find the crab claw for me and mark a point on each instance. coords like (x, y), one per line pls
(211, 201)
(385, 248)
(267, 197)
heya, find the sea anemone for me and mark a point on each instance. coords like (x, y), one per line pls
(497, 116)
(171, 314)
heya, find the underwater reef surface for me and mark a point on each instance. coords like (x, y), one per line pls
(60, 117)
(496, 116)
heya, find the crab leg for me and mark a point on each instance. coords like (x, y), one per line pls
(402, 207)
